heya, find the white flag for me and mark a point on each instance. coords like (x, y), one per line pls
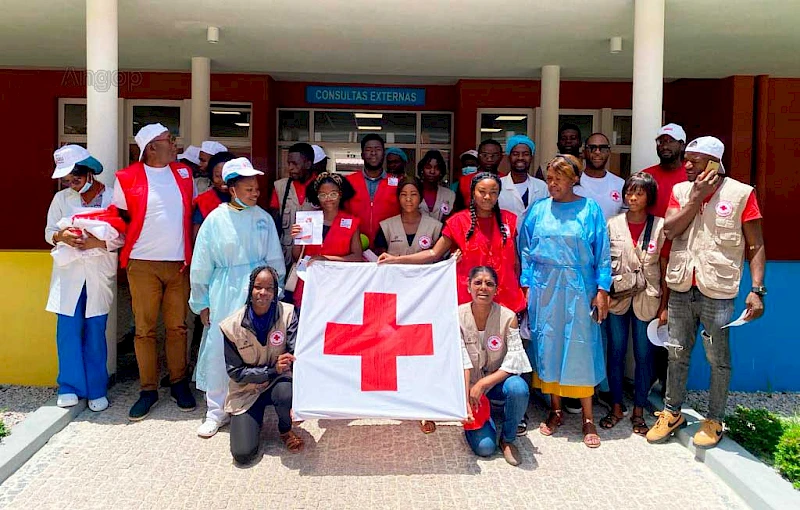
(379, 341)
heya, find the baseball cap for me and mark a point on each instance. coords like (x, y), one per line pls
(212, 148)
(68, 156)
(191, 153)
(481, 414)
(471, 152)
(675, 131)
(239, 167)
(319, 154)
(710, 146)
(147, 134)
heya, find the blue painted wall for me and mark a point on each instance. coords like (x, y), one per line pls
(765, 353)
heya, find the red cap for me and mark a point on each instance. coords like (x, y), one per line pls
(480, 413)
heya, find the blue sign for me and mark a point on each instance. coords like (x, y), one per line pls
(374, 96)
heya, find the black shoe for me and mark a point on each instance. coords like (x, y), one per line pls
(571, 405)
(140, 410)
(165, 382)
(180, 393)
(522, 426)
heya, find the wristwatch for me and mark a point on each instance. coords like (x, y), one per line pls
(760, 290)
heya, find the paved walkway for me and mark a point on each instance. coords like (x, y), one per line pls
(103, 461)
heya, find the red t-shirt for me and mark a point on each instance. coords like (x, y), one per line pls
(751, 209)
(666, 179)
(429, 195)
(636, 231)
(299, 188)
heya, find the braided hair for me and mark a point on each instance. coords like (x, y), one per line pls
(253, 275)
(473, 214)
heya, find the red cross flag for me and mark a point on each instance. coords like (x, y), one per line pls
(379, 342)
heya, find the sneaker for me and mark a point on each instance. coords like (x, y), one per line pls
(522, 426)
(709, 435)
(182, 395)
(510, 453)
(140, 410)
(210, 427)
(67, 400)
(666, 424)
(98, 404)
(571, 405)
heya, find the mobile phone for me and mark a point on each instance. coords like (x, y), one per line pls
(594, 314)
(713, 167)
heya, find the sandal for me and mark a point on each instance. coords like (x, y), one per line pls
(427, 427)
(554, 420)
(640, 427)
(292, 441)
(610, 420)
(590, 434)
(522, 426)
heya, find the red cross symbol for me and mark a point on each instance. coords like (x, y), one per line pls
(379, 341)
(615, 196)
(723, 207)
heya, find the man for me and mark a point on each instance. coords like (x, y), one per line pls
(520, 190)
(569, 140)
(320, 160)
(490, 154)
(598, 183)
(154, 196)
(713, 222)
(208, 149)
(376, 191)
(469, 162)
(287, 200)
(396, 161)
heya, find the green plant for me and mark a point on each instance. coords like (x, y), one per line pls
(787, 454)
(4, 431)
(757, 430)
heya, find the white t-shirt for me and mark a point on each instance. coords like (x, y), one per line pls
(162, 231)
(606, 191)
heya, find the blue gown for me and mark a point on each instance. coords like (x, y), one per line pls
(564, 251)
(230, 244)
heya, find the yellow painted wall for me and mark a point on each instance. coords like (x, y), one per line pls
(27, 332)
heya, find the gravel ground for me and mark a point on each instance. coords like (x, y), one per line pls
(783, 404)
(18, 401)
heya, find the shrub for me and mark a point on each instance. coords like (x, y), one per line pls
(757, 430)
(787, 454)
(3, 430)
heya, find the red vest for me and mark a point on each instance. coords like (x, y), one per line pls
(463, 187)
(133, 181)
(479, 250)
(207, 202)
(337, 242)
(371, 212)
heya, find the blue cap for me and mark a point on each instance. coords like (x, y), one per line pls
(397, 152)
(518, 139)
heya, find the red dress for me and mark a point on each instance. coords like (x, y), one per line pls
(485, 248)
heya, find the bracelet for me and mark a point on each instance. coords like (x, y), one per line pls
(433, 253)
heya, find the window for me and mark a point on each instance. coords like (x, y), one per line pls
(586, 120)
(140, 112)
(229, 125)
(502, 124)
(621, 142)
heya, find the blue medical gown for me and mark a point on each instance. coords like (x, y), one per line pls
(565, 258)
(230, 244)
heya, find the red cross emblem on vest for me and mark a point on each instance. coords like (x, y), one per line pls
(615, 196)
(379, 341)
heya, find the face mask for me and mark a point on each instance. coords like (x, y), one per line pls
(469, 170)
(238, 202)
(86, 186)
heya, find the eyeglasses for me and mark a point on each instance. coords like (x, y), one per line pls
(333, 195)
(490, 155)
(601, 148)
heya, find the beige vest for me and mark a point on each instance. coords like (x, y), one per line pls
(486, 355)
(242, 396)
(428, 233)
(712, 247)
(445, 199)
(289, 213)
(626, 258)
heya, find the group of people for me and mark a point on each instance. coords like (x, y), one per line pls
(553, 275)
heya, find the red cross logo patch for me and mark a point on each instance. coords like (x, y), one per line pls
(724, 208)
(494, 343)
(445, 208)
(615, 196)
(424, 242)
(651, 248)
(276, 338)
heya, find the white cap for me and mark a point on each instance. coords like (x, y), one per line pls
(146, 135)
(66, 158)
(212, 148)
(319, 154)
(708, 145)
(471, 152)
(675, 131)
(191, 153)
(239, 167)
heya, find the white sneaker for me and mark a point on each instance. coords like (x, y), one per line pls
(210, 427)
(67, 400)
(98, 404)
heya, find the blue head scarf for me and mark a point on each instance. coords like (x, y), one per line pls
(518, 139)
(397, 152)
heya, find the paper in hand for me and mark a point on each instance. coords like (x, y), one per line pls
(738, 322)
(311, 223)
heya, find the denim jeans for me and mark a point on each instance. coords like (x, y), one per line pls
(618, 328)
(514, 391)
(687, 310)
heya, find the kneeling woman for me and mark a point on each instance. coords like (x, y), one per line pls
(259, 341)
(493, 359)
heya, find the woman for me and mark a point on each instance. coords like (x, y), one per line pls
(485, 236)
(638, 245)
(218, 193)
(259, 344)
(82, 290)
(566, 269)
(235, 238)
(493, 359)
(437, 200)
(410, 231)
(341, 238)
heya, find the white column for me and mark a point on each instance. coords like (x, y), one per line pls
(102, 121)
(201, 102)
(648, 81)
(548, 137)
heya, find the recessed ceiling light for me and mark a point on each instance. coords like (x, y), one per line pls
(369, 115)
(512, 117)
(219, 112)
(242, 124)
(370, 128)
(490, 130)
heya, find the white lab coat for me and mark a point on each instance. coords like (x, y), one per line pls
(98, 273)
(510, 200)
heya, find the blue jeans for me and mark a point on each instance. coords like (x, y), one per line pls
(514, 391)
(82, 353)
(618, 328)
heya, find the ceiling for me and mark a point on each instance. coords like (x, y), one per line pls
(431, 41)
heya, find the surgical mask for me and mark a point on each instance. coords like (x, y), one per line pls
(87, 186)
(469, 170)
(240, 203)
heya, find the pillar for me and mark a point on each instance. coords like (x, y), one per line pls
(548, 137)
(102, 121)
(201, 102)
(648, 81)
